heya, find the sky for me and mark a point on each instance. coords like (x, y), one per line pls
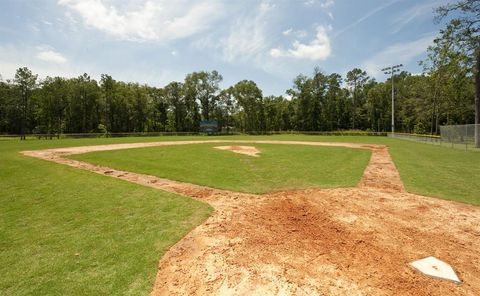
(159, 41)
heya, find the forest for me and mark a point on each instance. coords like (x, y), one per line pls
(443, 94)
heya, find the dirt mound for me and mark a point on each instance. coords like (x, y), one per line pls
(342, 241)
(246, 150)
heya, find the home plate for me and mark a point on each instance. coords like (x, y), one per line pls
(433, 267)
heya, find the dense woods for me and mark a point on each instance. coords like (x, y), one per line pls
(443, 94)
(318, 102)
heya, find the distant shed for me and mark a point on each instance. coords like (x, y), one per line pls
(209, 126)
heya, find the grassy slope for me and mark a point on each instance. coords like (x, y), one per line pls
(279, 167)
(68, 232)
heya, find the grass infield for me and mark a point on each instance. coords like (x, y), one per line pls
(279, 167)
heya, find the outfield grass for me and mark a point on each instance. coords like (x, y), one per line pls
(64, 231)
(438, 171)
(425, 169)
(67, 231)
(279, 167)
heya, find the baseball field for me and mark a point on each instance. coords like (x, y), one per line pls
(241, 215)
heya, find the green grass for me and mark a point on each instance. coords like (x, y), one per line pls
(67, 231)
(279, 166)
(438, 171)
(425, 169)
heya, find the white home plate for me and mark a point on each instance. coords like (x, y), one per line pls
(433, 267)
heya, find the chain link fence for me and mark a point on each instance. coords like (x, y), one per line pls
(465, 136)
(417, 138)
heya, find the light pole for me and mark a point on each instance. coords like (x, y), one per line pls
(392, 70)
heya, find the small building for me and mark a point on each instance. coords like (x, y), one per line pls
(209, 126)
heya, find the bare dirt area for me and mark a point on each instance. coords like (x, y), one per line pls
(246, 150)
(343, 241)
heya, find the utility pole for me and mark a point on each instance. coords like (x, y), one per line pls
(392, 70)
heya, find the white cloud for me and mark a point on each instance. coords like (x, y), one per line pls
(323, 3)
(51, 56)
(317, 49)
(398, 53)
(297, 33)
(13, 57)
(365, 17)
(247, 34)
(327, 3)
(415, 12)
(160, 20)
(287, 31)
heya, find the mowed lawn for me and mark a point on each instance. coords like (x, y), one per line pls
(65, 231)
(278, 167)
(438, 171)
(426, 169)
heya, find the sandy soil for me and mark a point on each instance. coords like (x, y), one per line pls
(344, 241)
(246, 150)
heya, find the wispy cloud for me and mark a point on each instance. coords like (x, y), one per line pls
(364, 17)
(295, 33)
(151, 21)
(247, 35)
(322, 3)
(403, 52)
(415, 12)
(317, 49)
(52, 57)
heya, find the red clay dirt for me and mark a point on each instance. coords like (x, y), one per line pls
(342, 241)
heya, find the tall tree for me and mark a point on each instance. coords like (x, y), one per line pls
(52, 105)
(356, 79)
(159, 109)
(302, 94)
(7, 124)
(250, 99)
(464, 30)
(204, 87)
(108, 85)
(226, 109)
(26, 83)
(174, 94)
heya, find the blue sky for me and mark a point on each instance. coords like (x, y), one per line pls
(270, 42)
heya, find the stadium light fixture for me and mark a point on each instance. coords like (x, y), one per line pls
(391, 71)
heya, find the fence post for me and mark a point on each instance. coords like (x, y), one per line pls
(466, 139)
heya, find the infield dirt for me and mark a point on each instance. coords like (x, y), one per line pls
(342, 241)
(246, 150)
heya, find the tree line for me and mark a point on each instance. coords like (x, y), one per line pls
(443, 94)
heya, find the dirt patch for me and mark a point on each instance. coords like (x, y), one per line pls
(344, 241)
(246, 150)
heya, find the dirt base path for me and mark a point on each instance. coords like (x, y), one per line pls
(344, 241)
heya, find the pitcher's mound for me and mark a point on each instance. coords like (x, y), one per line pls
(247, 150)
